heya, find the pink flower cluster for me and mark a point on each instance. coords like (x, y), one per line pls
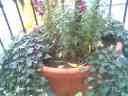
(38, 5)
(82, 6)
(119, 47)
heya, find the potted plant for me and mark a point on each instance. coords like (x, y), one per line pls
(72, 34)
(68, 38)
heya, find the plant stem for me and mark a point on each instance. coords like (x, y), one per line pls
(77, 11)
(62, 4)
(50, 23)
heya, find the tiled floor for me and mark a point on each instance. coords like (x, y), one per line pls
(9, 6)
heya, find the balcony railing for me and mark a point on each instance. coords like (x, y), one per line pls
(4, 17)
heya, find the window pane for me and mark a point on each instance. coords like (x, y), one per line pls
(118, 12)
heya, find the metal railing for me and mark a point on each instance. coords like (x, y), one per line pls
(35, 17)
(20, 19)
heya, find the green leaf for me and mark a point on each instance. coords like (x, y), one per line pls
(104, 89)
(91, 93)
(78, 94)
(91, 79)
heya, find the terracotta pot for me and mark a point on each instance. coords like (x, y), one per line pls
(66, 81)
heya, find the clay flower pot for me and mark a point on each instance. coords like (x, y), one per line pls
(66, 81)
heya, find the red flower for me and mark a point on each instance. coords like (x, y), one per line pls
(38, 5)
(82, 6)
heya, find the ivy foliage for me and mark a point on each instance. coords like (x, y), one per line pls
(112, 69)
(19, 73)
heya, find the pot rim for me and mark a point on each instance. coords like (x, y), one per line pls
(64, 72)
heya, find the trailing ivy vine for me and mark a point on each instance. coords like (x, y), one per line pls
(19, 73)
